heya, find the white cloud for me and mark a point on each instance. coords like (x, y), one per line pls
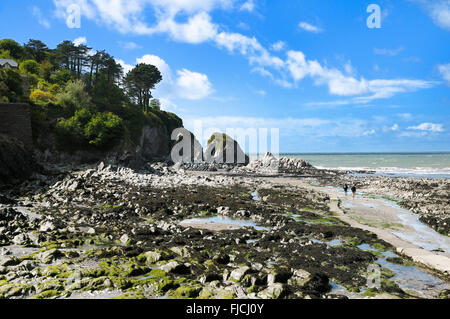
(249, 6)
(162, 66)
(40, 17)
(428, 127)
(79, 41)
(405, 116)
(444, 70)
(129, 45)
(370, 132)
(438, 10)
(309, 27)
(184, 84)
(261, 92)
(278, 46)
(388, 52)
(305, 127)
(344, 85)
(193, 85)
(126, 67)
(197, 27)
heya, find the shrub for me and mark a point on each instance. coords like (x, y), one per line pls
(104, 129)
(38, 96)
(74, 96)
(29, 67)
(71, 131)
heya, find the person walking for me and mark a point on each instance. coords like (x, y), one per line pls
(345, 189)
(354, 191)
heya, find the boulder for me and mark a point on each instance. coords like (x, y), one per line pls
(221, 148)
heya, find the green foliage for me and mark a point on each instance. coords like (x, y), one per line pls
(107, 96)
(45, 70)
(74, 96)
(140, 81)
(29, 67)
(38, 96)
(61, 77)
(155, 104)
(15, 49)
(81, 99)
(104, 129)
(101, 130)
(36, 49)
(71, 131)
(11, 86)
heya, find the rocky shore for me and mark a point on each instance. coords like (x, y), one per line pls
(427, 197)
(110, 231)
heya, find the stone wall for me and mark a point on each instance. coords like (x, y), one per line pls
(15, 121)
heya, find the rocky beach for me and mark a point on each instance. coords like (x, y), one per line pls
(210, 231)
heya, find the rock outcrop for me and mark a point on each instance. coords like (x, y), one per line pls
(16, 162)
(269, 164)
(221, 148)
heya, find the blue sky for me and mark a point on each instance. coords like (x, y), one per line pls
(312, 68)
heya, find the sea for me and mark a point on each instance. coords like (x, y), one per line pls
(429, 165)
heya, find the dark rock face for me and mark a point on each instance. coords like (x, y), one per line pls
(16, 162)
(154, 143)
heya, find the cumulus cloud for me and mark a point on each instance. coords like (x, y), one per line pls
(428, 127)
(309, 27)
(345, 85)
(197, 27)
(193, 85)
(438, 10)
(184, 84)
(278, 46)
(444, 70)
(79, 41)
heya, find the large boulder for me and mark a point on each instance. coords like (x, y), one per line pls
(223, 149)
(16, 162)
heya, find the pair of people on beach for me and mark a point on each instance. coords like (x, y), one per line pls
(353, 189)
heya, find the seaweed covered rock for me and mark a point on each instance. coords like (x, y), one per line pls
(221, 148)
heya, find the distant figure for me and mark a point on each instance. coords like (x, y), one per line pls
(353, 190)
(345, 189)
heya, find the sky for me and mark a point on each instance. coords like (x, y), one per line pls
(322, 72)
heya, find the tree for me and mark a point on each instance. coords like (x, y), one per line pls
(155, 104)
(15, 49)
(140, 81)
(36, 49)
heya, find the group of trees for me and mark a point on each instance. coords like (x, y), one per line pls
(86, 90)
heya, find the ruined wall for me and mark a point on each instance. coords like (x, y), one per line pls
(15, 121)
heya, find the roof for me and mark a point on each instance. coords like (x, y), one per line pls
(10, 62)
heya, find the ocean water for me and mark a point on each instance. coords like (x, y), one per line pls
(386, 164)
